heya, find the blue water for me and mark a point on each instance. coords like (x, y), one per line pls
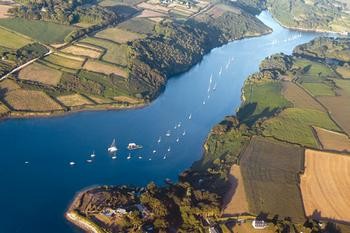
(34, 196)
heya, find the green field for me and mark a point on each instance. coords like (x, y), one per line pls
(313, 71)
(44, 32)
(138, 25)
(318, 89)
(295, 125)
(343, 84)
(115, 53)
(64, 61)
(262, 100)
(12, 40)
(270, 171)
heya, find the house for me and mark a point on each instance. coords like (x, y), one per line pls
(259, 224)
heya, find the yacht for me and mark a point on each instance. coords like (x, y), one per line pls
(89, 160)
(129, 156)
(140, 157)
(93, 154)
(114, 157)
(154, 151)
(220, 72)
(184, 133)
(179, 125)
(134, 146)
(177, 139)
(214, 88)
(167, 133)
(159, 140)
(164, 157)
(169, 149)
(71, 163)
(190, 117)
(113, 147)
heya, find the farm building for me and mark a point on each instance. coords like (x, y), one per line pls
(259, 224)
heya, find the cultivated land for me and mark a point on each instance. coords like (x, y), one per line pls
(37, 72)
(12, 40)
(105, 68)
(270, 172)
(82, 51)
(73, 100)
(118, 35)
(333, 140)
(325, 185)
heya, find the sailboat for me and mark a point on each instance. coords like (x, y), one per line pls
(164, 157)
(113, 147)
(177, 139)
(220, 72)
(179, 125)
(214, 88)
(93, 154)
(167, 133)
(190, 117)
(114, 157)
(154, 151)
(89, 161)
(169, 149)
(129, 156)
(72, 163)
(159, 140)
(203, 102)
(184, 133)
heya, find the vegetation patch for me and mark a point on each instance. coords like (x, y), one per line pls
(82, 51)
(295, 125)
(105, 68)
(138, 25)
(73, 100)
(12, 40)
(118, 35)
(42, 31)
(299, 97)
(270, 172)
(40, 73)
(28, 100)
(319, 89)
(331, 140)
(64, 61)
(115, 53)
(325, 186)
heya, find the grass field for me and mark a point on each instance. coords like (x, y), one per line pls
(344, 71)
(150, 14)
(299, 97)
(333, 140)
(64, 61)
(12, 40)
(138, 25)
(118, 35)
(235, 200)
(344, 85)
(115, 53)
(270, 171)
(9, 85)
(339, 108)
(325, 185)
(313, 71)
(318, 89)
(82, 51)
(3, 109)
(44, 32)
(105, 68)
(33, 101)
(127, 99)
(73, 100)
(261, 100)
(40, 73)
(295, 125)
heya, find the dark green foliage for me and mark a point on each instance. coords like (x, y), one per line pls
(277, 62)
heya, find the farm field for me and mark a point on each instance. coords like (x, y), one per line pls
(248, 228)
(138, 25)
(65, 61)
(73, 100)
(339, 108)
(119, 2)
(313, 71)
(105, 68)
(299, 97)
(12, 40)
(261, 99)
(118, 35)
(150, 14)
(270, 171)
(331, 140)
(295, 125)
(115, 53)
(344, 85)
(325, 185)
(318, 89)
(127, 99)
(28, 100)
(44, 32)
(4, 10)
(3, 109)
(235, 200)
(344, 71)
(82, 51)
(40, 73)
(9, 85)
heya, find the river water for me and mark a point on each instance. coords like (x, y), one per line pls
(37, 182)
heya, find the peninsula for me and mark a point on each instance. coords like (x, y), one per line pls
(87, 54)
(262, 164)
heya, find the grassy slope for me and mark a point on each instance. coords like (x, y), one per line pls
(12, 40)
(44, 32)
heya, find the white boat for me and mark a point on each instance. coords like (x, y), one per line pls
(211, 78)
(167, 133)
(113, 148)
(220, 72)
(114, 157)
(93, 154)
(134, 146)
(190, 117)
(72, 163)
(164, 157)
(154, 151)
(150, 159)
(169, 149)
(184, 133)
(214, 88)
(26, 162)
(208, 96)
(175, 126)
(89, 161)
(179, 125)
(129, 156)
(159, 140)
(140, 157)
(203, 102)
(177, 139)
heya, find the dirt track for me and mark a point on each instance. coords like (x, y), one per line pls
(325, 185)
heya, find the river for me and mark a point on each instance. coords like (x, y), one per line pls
(37, 182)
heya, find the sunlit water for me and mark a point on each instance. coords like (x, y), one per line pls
(34, 196)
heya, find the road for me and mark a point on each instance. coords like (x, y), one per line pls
(24, 65)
